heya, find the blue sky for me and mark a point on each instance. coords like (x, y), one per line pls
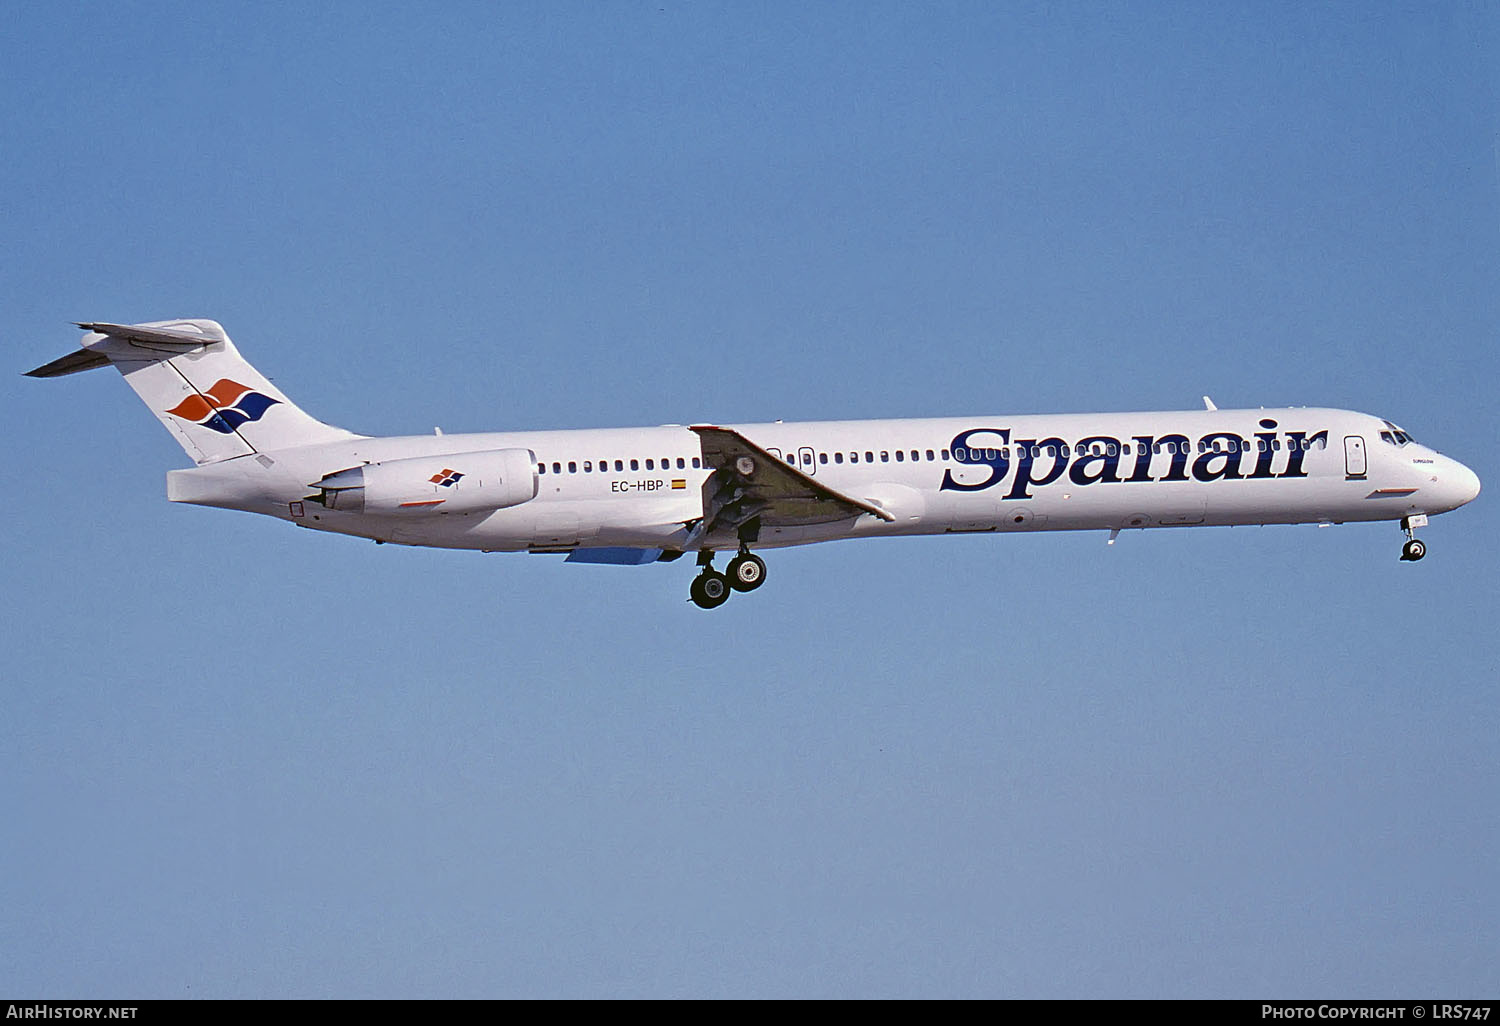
(246, 761)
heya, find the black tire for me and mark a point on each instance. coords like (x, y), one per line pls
(747, 572)
(1414, 550)
(710, 589)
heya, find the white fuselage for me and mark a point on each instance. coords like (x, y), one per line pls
(644, 487)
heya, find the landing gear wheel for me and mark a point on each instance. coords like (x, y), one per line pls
(747, 572)
(710, 589)
(1413, 550)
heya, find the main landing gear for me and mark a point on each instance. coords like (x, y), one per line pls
(1414, 549)
(710, 589)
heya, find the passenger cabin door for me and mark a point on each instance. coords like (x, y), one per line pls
(1354, 457)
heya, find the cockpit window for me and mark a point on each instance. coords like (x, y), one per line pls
(1395, 435)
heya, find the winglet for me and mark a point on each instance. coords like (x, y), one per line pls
(1208, 404)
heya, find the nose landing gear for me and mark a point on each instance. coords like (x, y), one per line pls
(1414, 549)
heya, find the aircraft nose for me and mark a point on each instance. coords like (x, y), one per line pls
(1458, 484)
(1466, 482)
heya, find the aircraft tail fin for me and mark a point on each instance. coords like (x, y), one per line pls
(198, 385)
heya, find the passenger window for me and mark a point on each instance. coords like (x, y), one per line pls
(900, 456)
(695, 463)
(681, 463)
(945, 455)
(650, 465)
(572, 466)
(838, 457)
(541, 468)
(588, 466)
(635, 464)
(869, 456)
(823, 458)
(619, 465)
(929, 456)
(557, 468)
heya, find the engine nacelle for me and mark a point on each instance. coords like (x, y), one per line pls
(463, 482)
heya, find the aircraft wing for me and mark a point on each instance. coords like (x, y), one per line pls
(749, 482)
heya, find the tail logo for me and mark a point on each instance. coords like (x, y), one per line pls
(224, 407)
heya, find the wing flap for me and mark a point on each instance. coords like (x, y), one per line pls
(748, 483)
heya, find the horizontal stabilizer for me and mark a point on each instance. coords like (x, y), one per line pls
(157, 336)
(73, 363)
(88, 358)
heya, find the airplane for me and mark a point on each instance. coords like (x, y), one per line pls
(632, 496)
